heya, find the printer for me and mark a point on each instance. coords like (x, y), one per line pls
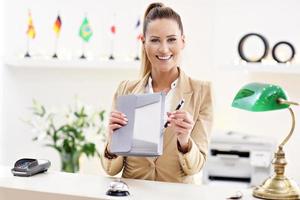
(239, 158)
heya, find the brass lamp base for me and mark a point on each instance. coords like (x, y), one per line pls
(277, 188)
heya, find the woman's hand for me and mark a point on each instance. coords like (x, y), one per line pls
(182, 123)
(116, 121)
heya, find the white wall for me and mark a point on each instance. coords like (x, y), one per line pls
(212, 30)
(1, 75)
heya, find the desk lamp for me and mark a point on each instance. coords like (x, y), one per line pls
(258, 97)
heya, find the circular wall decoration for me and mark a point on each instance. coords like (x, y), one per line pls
(253, 47)
(283, 52)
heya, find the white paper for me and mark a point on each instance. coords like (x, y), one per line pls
(147, 130)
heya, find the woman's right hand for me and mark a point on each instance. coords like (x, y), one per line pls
(116, 120)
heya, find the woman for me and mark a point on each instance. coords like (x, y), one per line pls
(186, 137)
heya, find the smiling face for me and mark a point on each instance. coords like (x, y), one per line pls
(163, 44)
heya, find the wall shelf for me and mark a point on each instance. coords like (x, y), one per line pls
(70, 64)
(261, 67)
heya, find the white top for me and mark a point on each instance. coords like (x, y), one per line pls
(59, 185)
(169, 96)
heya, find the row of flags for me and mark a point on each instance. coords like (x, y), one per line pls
(85, 32)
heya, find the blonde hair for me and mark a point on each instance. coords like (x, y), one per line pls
(156, 11)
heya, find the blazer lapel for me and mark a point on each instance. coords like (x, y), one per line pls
(184, 91)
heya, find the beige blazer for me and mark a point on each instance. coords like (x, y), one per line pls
(172, 166)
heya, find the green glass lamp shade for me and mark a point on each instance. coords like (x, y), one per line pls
(259, 97)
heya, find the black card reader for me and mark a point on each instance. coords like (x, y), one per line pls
(30, 167)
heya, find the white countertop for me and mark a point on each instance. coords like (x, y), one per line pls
(60, 185)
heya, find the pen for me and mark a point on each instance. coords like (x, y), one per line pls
(181, 103)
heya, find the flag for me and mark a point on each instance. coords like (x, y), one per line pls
(138, 23)
(85, 31)
(139, 37)
(113, 29)
(57, 25)
(30, 31)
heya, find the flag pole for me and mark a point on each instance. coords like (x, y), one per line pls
(83, 50)
(27, 55)
(83, 44)
(113, 33)
(57, 26)
(55, 47)
(138, 38)
(111, 57)
(137, 50)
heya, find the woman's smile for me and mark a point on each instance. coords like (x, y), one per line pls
(164, 58)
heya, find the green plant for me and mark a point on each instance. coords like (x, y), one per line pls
(69, 131)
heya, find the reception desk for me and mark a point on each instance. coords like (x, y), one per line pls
(54, 185)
